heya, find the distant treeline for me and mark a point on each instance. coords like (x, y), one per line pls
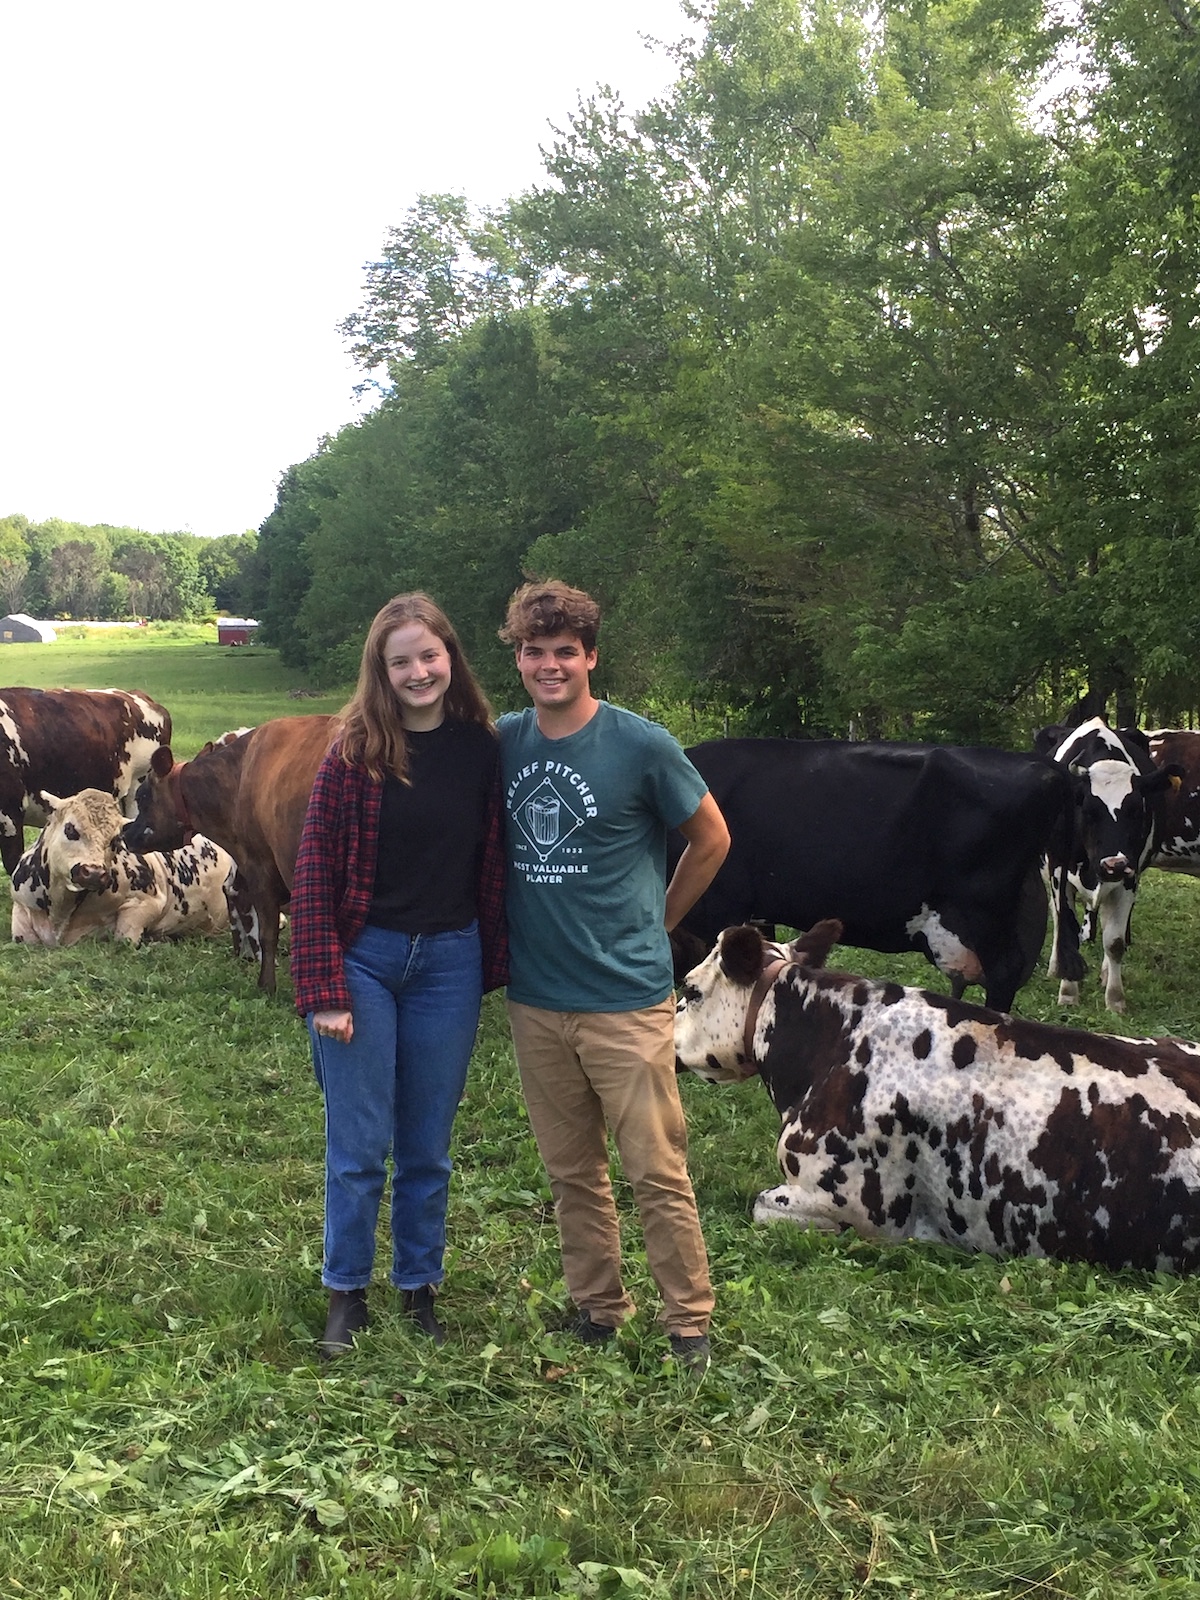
(68, 570)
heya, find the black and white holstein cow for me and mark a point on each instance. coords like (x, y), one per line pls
(1119, 800)
(909, 1115)
(934, 848)
(77, 878)
(65, 740)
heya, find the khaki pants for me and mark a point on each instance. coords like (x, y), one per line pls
(583, 1072)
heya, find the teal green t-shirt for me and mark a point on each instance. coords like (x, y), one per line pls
(587, 821)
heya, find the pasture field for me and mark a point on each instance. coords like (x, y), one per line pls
(877, 1420)
(208, 688)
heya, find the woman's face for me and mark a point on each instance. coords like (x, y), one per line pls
(418, 669)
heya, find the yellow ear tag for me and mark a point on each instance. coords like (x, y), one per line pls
(1176, 783)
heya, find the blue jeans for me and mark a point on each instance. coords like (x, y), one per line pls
(395, 1088)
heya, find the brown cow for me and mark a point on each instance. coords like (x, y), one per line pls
(250, 796)
(1179, 842)
(65, 740)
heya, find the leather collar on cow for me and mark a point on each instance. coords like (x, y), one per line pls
(771, 969)
(181, 805)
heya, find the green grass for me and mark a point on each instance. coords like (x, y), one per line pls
(208, 688)
(892, 1420)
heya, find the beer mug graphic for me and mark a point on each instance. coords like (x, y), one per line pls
(542, 813)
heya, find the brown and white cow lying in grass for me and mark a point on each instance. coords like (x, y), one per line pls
(77, 878)
(909, 1115)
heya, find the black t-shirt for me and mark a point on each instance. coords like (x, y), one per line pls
(431, 831)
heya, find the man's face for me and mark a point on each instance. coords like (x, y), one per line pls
(554, 669)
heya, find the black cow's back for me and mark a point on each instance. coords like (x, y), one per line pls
(878, 834)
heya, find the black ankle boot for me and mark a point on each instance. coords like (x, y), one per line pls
(347, 1316)
(418, 1305)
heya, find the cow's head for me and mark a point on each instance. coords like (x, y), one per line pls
(1118, 809)
(714, 1002)
(81, 840)
(687, 951)
(156, 824)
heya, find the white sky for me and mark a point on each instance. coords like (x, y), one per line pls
(188, 193)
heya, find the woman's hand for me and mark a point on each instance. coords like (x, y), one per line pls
(334, 1025)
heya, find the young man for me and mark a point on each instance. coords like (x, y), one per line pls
(591, 792)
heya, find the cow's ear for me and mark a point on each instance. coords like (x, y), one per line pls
(811, 949)
(162, 761)
(51, 802)
(687, 951)
(1168, 777)
(741, 954)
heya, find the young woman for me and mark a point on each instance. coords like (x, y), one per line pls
(397, 931)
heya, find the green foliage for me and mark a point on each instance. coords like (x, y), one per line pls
(441, 271)
(226, 565)
(856, 377)
(163, 575)
(73, 571)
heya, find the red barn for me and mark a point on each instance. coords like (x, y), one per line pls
(236, 630)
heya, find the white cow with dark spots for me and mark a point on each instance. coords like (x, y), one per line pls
(77, 878)
(909, 1115)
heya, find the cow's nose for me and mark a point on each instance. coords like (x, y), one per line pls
(87, 875)
(1114, 867)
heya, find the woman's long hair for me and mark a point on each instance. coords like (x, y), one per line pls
(369, 725)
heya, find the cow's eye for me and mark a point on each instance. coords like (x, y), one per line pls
(690, 994)
(71, 831)
(115, 842)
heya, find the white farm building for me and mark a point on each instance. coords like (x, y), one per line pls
(17, 628)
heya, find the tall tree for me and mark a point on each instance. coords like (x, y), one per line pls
(223, 563)
(75, 574)
(443, 268)
(163, 573)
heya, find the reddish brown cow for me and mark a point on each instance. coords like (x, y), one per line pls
(249, 795)
(1179, 843)
(60, 741)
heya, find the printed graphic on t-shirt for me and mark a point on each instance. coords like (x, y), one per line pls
(549, 802)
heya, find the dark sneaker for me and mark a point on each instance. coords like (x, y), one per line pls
(691, 1351)
(347, 1316)
(582, 1327)
(418, 1307)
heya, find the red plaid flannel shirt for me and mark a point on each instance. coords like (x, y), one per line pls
(335, 873)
